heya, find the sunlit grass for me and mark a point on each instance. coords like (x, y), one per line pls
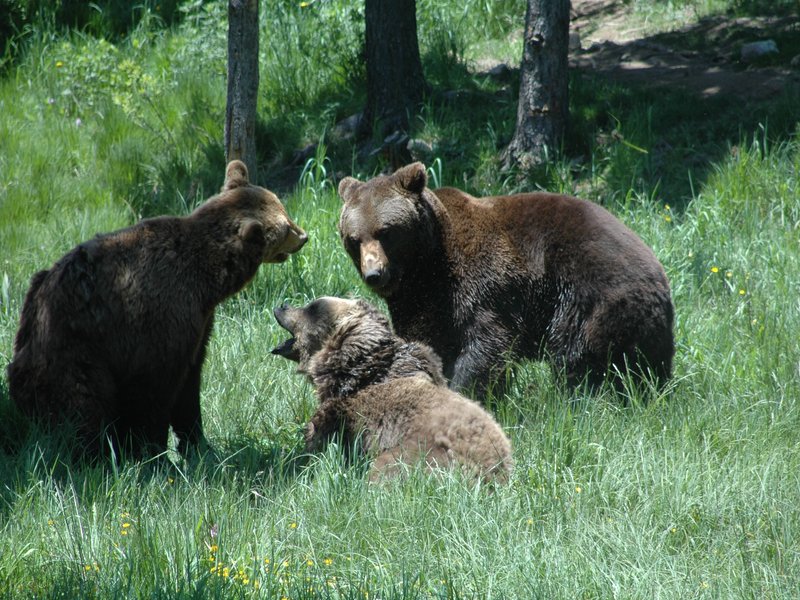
(690, 494)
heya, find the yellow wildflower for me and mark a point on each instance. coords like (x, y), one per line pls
(715, 269)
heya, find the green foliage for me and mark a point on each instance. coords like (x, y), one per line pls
(687, 493)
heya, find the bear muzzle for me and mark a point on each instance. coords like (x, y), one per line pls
(296, 238)
(374, 265)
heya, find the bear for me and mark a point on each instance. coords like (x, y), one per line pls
(486, 281)
(114, 335)
(388, 392)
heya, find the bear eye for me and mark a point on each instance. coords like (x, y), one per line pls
(351, 242)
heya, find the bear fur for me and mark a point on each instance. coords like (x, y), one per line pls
(391, 392)
(486, 280)
(113, 336)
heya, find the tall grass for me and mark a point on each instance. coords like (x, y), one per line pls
(687, 493)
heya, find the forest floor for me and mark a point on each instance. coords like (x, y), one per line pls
(703, 57)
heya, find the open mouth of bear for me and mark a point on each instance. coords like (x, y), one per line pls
(285, 348)
(280, 257)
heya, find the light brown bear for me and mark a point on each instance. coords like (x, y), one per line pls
(391, 392)
(484, 280)
(113, 336)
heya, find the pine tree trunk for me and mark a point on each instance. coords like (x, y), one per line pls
(543, 107)
(240, 114)
(395, 83)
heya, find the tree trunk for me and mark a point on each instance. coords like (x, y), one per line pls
(543, 107)
(395, 83)
(240, 114)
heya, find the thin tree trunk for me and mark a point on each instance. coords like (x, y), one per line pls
(395, 83)
(543, 107)
(240, 114)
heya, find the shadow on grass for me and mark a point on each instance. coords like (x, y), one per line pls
(30, 452)
(654, 116)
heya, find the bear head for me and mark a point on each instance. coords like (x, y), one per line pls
(346, 327)
(346, 345)
(253, 217)
(386, 225)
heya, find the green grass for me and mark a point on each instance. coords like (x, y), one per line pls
(692, 494)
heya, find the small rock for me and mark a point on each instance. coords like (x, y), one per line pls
(419, 149)
(302, 155)
(755, 50)
(397, 138)
(349, 127)
(394, 150)
(453, 95)
(795, 62)
(500, 71)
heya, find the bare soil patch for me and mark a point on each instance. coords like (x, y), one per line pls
(703, 58)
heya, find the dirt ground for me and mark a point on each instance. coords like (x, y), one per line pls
(704, 58)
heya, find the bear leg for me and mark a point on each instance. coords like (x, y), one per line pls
(479, 368)
(143, 426)
(186, 418)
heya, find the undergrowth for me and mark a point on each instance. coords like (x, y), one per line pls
(686, 493)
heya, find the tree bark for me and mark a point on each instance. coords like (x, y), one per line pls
(240, 114)
(543, 107)
(395, 82)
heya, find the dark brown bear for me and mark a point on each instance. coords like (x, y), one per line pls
(484, 280)
(113, 336)
(391, 392)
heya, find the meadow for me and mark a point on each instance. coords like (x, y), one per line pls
(687, 492)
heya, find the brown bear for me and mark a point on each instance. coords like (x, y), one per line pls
(113, 336)
(391, 392)
(485, 280)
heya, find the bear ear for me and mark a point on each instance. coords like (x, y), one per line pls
(348, 187)
(235, 175)
(412, 177)
(252, 232)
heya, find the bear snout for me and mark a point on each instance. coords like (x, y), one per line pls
(373, 276)
(280, 315)
(297, 238)
(374, 267)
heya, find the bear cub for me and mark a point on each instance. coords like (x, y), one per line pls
(113, 336)
(374, 384)
(484, 280)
